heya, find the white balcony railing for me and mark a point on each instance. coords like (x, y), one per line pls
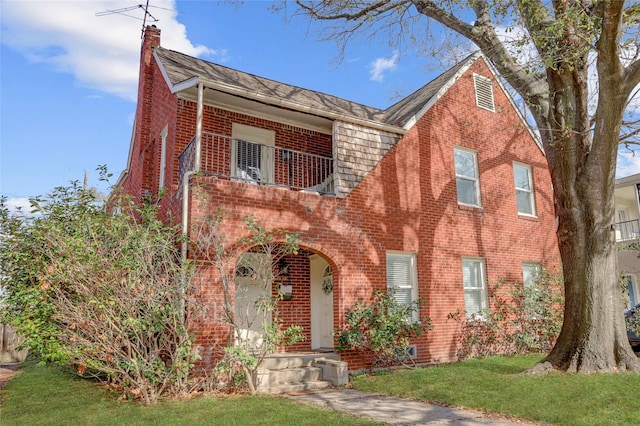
(629, 230)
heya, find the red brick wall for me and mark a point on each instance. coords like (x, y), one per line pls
(407, 203)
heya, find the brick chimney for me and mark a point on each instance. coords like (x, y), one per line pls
(142, 135)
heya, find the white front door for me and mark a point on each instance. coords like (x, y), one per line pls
(321, 304)
(252, 287)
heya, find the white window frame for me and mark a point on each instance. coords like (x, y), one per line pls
(255, 135)
(530, 273)
(407, 282)
(631, 280)
(483, 88)
(163, 156)
(482, 289)
(529, 192)
(474, 179)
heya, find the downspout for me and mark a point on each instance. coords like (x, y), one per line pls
(187, 176)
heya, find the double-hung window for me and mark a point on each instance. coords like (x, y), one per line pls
(163, 156)
(524, 189)
(475, 287)
(402, 279)
(632, 290)
(530, 273)
(467, 177)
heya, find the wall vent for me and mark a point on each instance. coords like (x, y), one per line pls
(412, 351)
(484, 92)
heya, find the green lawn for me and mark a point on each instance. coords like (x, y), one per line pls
(495, 384)
(45, 396)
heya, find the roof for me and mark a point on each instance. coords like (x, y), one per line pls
(180, 69)
(401, 112)
(628, 181)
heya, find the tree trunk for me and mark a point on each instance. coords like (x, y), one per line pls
(593, 336)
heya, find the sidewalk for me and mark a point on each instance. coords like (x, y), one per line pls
(398, 411)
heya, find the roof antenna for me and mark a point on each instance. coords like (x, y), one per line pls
(122, 11)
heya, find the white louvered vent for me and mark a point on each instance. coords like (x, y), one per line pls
(484, 92)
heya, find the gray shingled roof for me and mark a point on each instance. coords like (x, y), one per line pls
(180, 68)
(403, 110)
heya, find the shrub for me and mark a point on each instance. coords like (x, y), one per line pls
(105, 293)
(525, 320)
(382, 329)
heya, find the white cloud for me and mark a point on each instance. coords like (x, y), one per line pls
(18, 204)
(101, 52)
(628, 163)
(382, 65)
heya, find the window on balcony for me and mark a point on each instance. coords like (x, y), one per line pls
(626, 228)
(524, 189)
(252, 154)
(467, 178)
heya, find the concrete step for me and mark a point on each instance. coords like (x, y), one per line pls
(296, 387)
(294, 360)
(290, 372)
(294, 375)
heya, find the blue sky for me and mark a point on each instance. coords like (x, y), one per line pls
(68, 78)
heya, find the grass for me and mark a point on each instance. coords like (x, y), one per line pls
(495, 384)
(46, 396)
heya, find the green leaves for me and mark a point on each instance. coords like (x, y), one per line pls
(382, 329)
(105, 293)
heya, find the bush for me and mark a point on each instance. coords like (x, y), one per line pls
(104, 293)
(382, 330)
(526, 320)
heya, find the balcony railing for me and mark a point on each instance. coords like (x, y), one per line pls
(629, 230)
(259, 164)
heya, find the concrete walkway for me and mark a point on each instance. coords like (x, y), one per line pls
(398, 411)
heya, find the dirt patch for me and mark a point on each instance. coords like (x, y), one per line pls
(6, 372)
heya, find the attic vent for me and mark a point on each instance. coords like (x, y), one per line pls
(484, 92)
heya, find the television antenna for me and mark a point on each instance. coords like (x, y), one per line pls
(123, 11)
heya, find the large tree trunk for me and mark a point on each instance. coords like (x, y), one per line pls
(593, 336)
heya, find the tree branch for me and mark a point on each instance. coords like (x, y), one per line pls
(378, 8)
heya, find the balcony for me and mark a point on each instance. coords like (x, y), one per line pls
(629, 230)
(258, 164)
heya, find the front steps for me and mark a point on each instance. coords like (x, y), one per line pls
(290, 372)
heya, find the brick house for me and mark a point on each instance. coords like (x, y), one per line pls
(439, 196)
(627, 230)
